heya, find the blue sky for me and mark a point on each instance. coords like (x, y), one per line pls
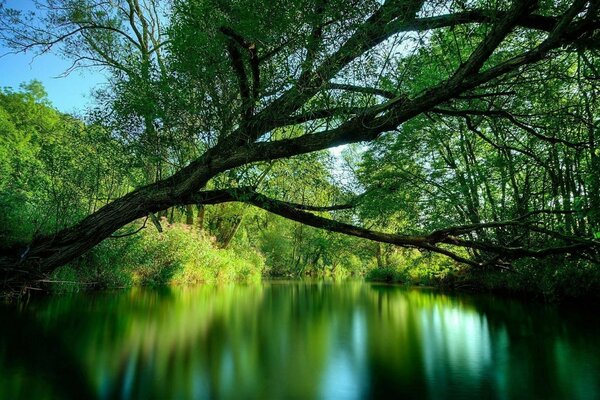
(68, 94)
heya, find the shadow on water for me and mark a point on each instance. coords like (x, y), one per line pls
(296, 339)
(34, 352)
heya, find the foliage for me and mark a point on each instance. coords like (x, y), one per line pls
(479, 118)
(387, 274)
(416, 268)
(558, 280)
(179, 255)
(55, 169)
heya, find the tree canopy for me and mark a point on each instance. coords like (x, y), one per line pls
(477, 120)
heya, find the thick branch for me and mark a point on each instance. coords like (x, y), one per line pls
(290, 211)
(252, 55)
(238, 68)
(321, 114)
(428, 242)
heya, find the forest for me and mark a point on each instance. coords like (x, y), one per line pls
(441, 143)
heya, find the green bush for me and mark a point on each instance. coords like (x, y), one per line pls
(552, 279)
(354, 265)
(387, 274)
(179, 255)
(416, 268)
(65, 280)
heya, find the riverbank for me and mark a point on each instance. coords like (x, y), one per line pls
(548, 281)
(184, 255)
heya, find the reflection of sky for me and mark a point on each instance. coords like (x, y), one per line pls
(344, 375)
(454, 342)
(456, 347)
(227, 375)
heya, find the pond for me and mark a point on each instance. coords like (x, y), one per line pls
(295, 339)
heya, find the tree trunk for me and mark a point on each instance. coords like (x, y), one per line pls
(200, 217)
(226, 241)
(189, 215)
(379, 255)
(172, 216)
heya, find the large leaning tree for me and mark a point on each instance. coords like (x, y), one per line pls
(235, 84)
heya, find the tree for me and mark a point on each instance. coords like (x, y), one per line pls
(330, 74)
(55, 169)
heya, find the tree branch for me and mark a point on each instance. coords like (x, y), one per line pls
(288, 211)
(513, 120)
(427, 242)
(252, 55)
(363, 89)
(238, 68)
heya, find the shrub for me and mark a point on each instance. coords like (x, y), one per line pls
(553, 279)
(414, 267)
(179, 255)
(387, 274)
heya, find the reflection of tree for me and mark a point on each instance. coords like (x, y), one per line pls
(216, 340)
(305, 340)
(36, 362)
(549, 353)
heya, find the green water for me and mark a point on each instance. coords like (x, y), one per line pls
(296, 340)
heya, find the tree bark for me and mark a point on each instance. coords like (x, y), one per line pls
(200, 217)
(189, 215)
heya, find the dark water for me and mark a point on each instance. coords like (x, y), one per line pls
(296, 340)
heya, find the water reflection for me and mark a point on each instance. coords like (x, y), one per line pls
(292, 339)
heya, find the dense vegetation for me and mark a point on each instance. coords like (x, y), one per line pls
(472, 132)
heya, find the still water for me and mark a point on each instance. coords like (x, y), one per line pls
(296, 340)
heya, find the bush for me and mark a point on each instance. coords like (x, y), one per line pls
(416, 268)
(387, 274)
(65, 280)
(354, 265)
(552, 279)
(179, 255)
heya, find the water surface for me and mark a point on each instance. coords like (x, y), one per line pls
(296, 340)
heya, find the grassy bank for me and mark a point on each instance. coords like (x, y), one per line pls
(179, 255)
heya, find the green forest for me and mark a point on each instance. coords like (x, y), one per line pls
(453, 144)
